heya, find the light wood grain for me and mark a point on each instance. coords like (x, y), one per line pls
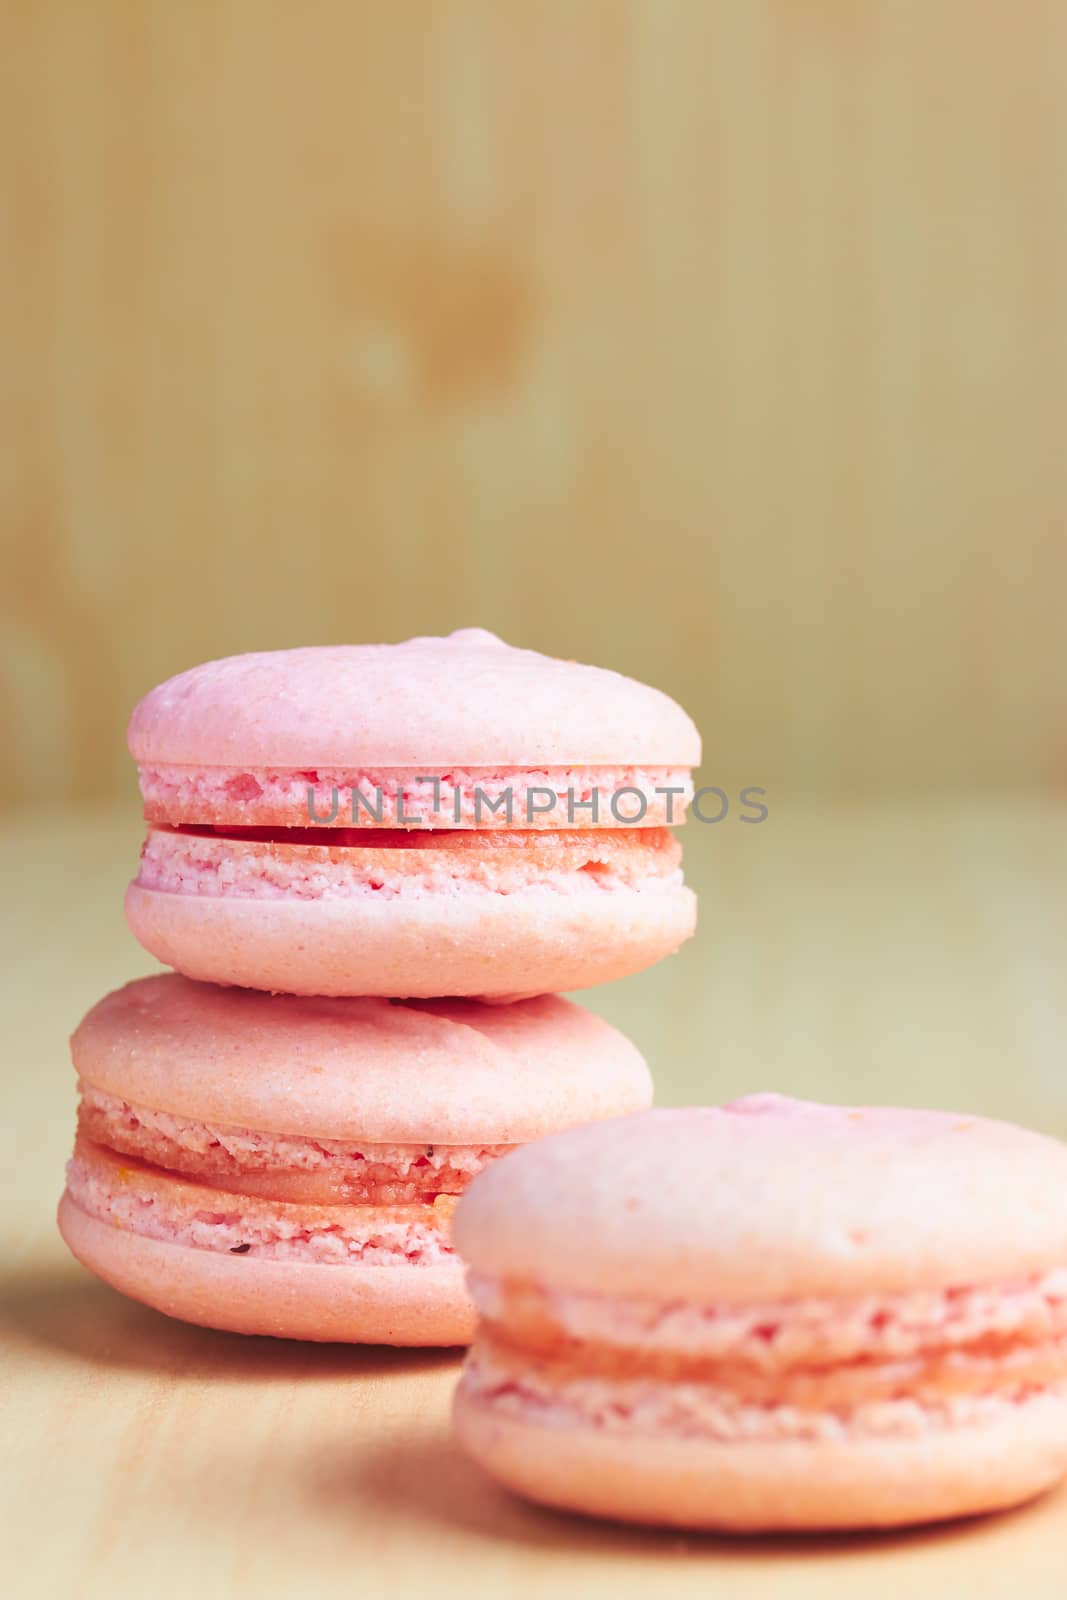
(904, 953)
(721, 341)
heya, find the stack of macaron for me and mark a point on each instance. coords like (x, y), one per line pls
(371, 867)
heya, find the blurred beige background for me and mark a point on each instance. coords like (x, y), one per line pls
(720, 341)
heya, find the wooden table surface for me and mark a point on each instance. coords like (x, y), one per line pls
(907, 952)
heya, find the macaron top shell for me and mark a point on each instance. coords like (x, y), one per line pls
(468, 698)
(769, 1199)
(448, 1071)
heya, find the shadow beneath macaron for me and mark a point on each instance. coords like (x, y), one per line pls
(437, 1484)
(72, 1314)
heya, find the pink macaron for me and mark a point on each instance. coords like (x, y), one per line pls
(280, 1165)
(443, 816)
(771, 1315)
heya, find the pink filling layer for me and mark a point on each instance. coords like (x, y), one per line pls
(805, 1369)
(379, 1174)
(215, 866)
(648, 1406)
(785, 1334)
(392, 797)
(153, 1206)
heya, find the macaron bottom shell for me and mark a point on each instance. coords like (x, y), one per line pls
(396, 1304)
(365, 1273)
(485, 945)
(781, 1486)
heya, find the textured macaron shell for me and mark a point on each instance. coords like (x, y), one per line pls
(500, 946)
(769, 1345)
(140, 1199)
(632, 1394)
(774, 1485)
(400, 1305)
(468, 698)
(285, 1166)
(396, 797)
(303, 865)
(772, 1199)
(450, 1071)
